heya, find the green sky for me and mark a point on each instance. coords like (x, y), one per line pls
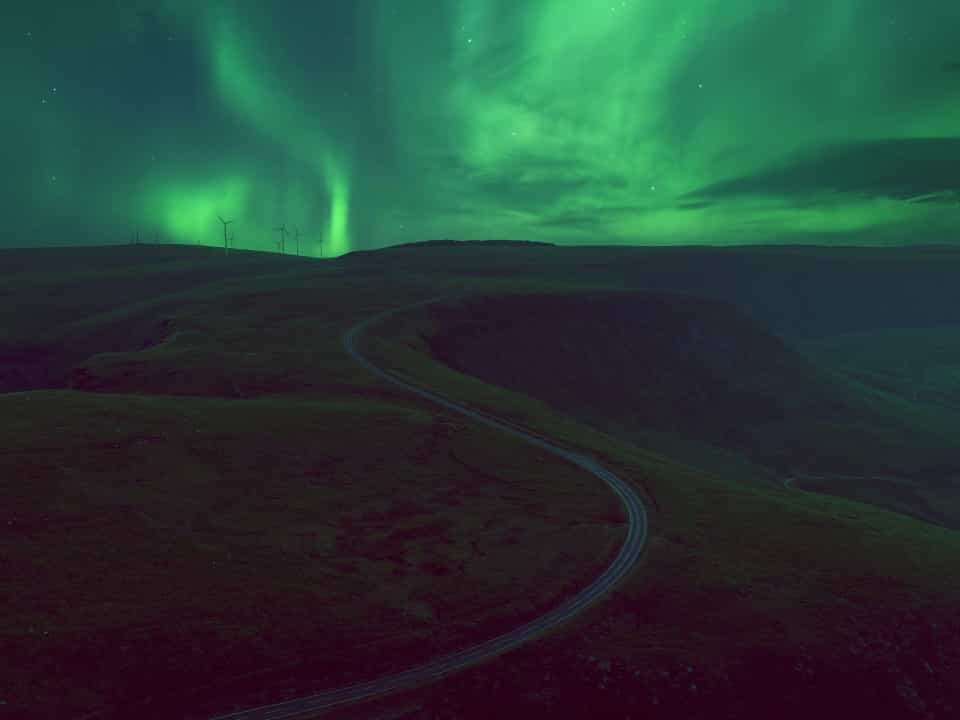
(371, 122)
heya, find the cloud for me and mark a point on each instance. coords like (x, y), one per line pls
(582, 221)
(901, 169)
(695, 205)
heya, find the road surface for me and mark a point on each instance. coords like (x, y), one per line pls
(461, 659)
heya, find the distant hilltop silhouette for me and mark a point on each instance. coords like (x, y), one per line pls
(445, 242)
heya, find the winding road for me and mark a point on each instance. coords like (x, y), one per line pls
(452, 662)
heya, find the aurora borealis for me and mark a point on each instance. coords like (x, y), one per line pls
(372, 122)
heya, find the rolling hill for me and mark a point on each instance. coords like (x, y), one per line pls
(210, 506)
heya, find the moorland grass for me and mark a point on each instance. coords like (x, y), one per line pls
(263, 491)
(160, 547)
(918, 363)
(734, 569)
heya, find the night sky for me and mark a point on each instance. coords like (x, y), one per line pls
(371, 122)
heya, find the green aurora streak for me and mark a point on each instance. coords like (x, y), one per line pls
(372, 122)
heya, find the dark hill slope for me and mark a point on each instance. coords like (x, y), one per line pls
(792, 290)
(59, 306)
(634, 361)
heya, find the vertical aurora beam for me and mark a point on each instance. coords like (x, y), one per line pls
(255, 96)
(338, 226)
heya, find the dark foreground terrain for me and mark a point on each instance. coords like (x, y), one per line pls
(208, 506)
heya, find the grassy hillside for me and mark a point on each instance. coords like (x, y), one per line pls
(917, 363)
(170, 555)
(236, 513)
(794, 291)
(59, 306)
(632, 363)
(753, 601)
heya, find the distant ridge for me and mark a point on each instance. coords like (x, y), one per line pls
(447, 243)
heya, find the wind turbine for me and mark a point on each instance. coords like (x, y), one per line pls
(226, 246)
(297, 236)
(283, 238)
